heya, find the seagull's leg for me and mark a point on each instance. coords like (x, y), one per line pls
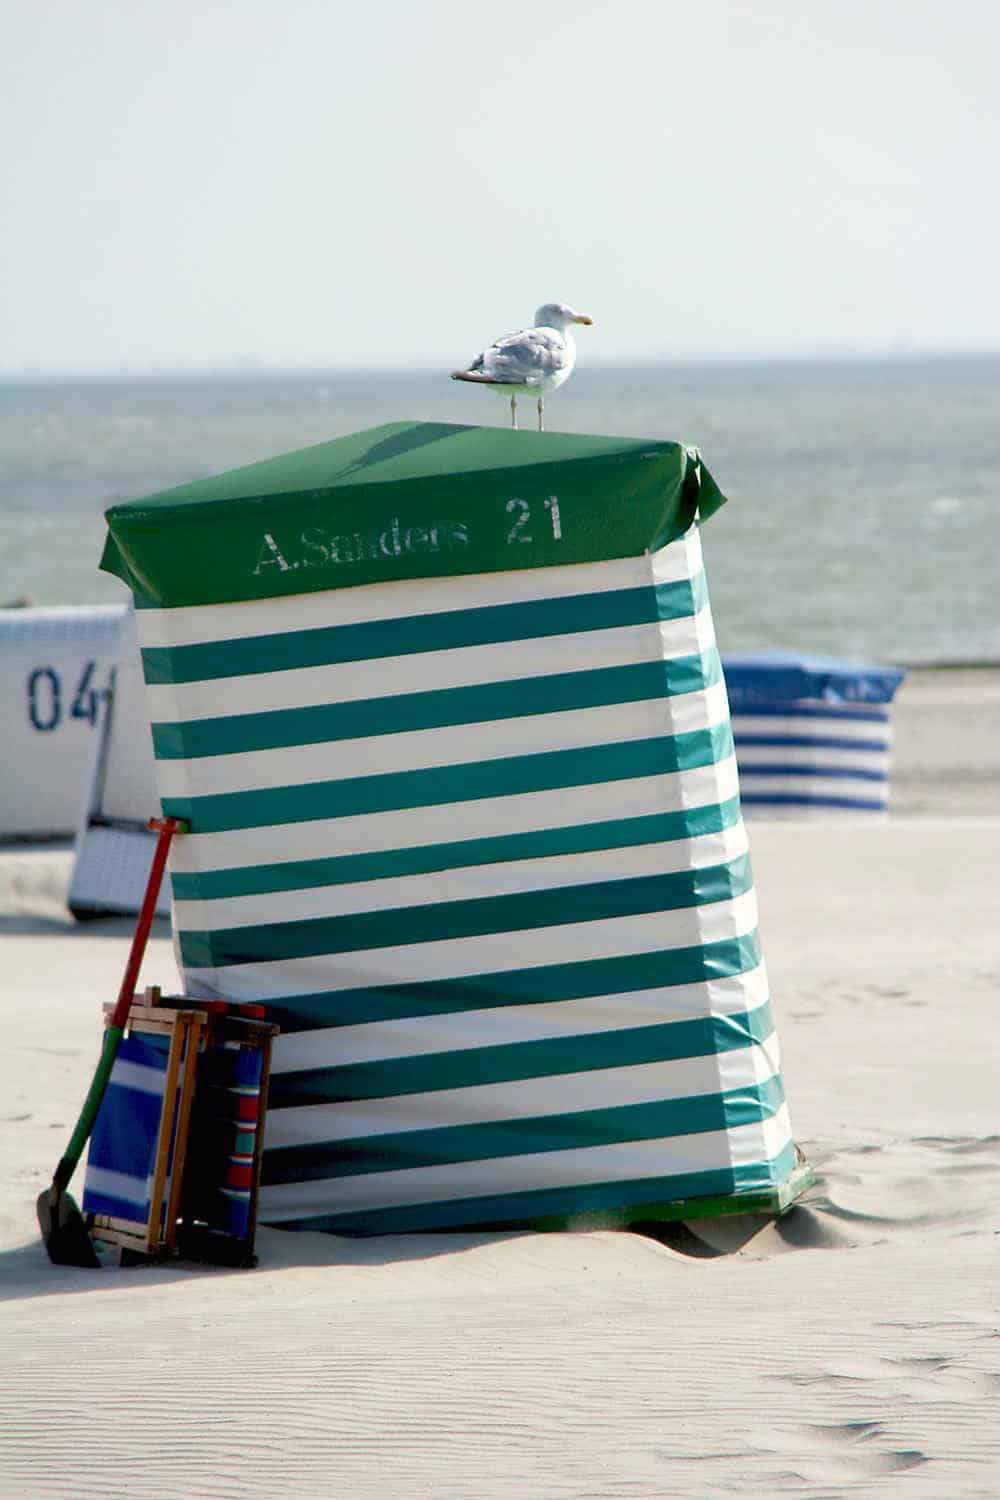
(513, 408)
(541, 413)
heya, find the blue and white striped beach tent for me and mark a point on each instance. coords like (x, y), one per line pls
(444, 709)
(813, 734)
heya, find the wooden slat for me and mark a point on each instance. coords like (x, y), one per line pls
(128, 1233)
(156, 1192)
(193, 1029)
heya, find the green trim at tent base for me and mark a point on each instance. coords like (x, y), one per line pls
(773, 1201)
(462, 1217)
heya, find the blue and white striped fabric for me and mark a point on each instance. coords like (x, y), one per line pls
(476, 843)
(122, 1148)
(811, 734)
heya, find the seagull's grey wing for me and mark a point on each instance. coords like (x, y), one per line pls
(524, 358)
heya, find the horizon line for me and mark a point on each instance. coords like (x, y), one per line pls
(248, 367)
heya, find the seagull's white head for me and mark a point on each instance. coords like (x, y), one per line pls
(558, 315)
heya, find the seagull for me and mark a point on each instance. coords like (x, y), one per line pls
(530, 362)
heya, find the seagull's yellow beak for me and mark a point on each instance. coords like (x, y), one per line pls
(589, 321)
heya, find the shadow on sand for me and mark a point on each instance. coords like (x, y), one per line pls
(26, 1271)
(58, 923)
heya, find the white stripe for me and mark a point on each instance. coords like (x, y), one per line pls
(197, 624)
(200, 624)
(478, 818)
(118, 1185)
(797, 812)
(876, 714)
(140, 1076)
(513, 877)
(430, 671)
(761, 1141)
(455, 744)
(456, 958)
(418, 1036)
(732, 1070)
(793, 724)
(522, 1099)
(671, 1156)
(817, 786)
(679, 559)
(809, 756)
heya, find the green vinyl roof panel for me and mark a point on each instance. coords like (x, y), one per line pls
(405, 500)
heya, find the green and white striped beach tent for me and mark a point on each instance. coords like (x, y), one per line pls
(444, 710)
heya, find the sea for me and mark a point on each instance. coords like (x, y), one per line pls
(864, 494)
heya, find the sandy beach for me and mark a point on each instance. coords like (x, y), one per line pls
(850, 1348)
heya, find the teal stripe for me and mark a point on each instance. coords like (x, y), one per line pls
(440, 785)
(535, 986)
(442, 921)
(477, 1067)
(450, 630)
(385, 864)
(399, 713)
(580, 1131)
(624, 1202)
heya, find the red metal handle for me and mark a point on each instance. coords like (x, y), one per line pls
(165, 829)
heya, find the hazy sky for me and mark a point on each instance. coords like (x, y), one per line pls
(312, 182)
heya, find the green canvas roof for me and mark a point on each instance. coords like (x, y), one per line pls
(405, 500)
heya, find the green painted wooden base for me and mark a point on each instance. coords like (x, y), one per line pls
(773, 1201)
